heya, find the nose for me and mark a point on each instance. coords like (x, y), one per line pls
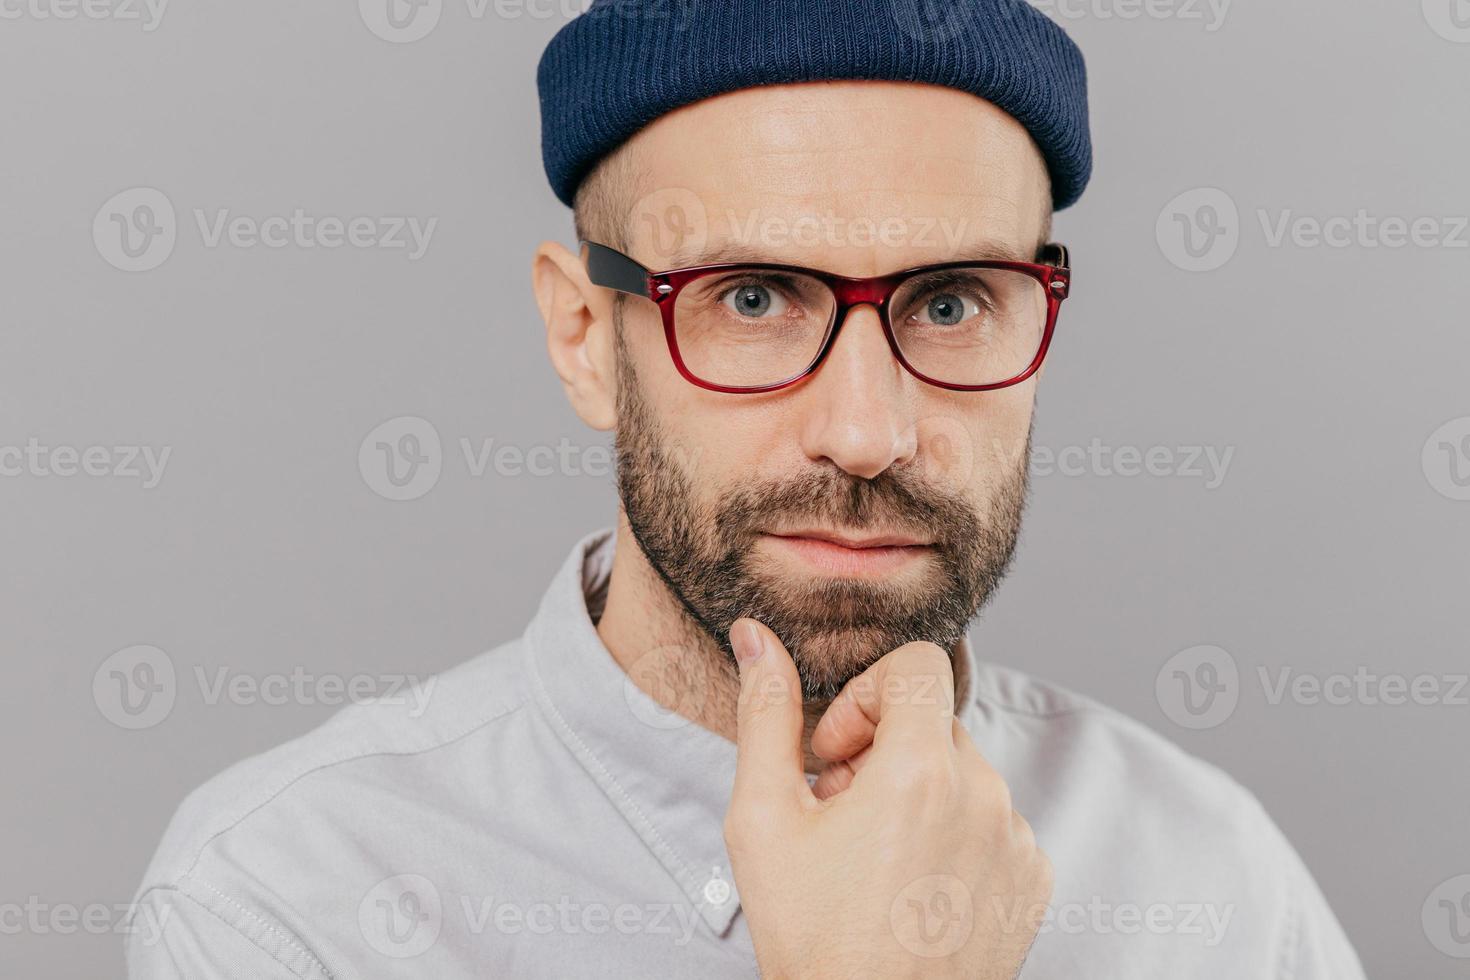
(859, 405)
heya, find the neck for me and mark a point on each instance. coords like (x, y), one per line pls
(672, 659)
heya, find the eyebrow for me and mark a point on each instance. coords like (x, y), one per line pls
(741, 253)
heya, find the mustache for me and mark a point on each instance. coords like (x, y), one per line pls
(895, 500)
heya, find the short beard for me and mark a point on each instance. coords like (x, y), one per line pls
(834, 628)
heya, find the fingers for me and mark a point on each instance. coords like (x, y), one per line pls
(769, 773)
(906, 697)
(838, 776)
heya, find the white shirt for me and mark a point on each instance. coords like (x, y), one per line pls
(544, 817)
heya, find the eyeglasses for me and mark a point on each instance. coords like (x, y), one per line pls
(965, 326)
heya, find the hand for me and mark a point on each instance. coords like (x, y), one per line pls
(915, 865)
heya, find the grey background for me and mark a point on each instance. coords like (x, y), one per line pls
(263, 549)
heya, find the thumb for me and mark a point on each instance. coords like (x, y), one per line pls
(768, 766)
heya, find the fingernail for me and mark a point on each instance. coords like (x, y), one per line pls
(747, 642)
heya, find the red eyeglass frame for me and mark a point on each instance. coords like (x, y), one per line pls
(609, 268)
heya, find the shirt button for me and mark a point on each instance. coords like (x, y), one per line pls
(717, 890)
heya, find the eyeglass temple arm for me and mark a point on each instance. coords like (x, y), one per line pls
(1056, 254)
(614, 270)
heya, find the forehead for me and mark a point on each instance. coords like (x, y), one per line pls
(857, 177)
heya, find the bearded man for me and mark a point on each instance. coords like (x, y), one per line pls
(745, 733)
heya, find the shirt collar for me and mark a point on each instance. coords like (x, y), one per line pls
(669, 777)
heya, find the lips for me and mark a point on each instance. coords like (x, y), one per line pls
(856, 542)
(833, 553)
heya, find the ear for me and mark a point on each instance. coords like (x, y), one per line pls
(579, 333)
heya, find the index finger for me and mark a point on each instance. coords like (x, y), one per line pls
(769, 765)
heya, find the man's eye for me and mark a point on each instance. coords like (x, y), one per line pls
(947, 309)
(755, 301)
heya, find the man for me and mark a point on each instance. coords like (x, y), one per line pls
(745, 732)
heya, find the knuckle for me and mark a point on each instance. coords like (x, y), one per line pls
(991, 790)
(1045, 875)
(925, 779)
(1023, 834)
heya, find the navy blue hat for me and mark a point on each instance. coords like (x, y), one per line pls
(625, 63)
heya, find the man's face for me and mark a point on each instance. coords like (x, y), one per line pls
(862, 508)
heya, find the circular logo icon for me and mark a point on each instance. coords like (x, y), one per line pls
(1199, 230)
(136, 687)
(1446, 459)
(1446, 917)
(1450, 19)
(947, 451)
(401, 21)
(667, 686)
(1199, 687)
(401, 916)
(136, 229)
(672, 221)
(933, 916)
(402, 458)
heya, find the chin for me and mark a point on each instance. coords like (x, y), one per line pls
(827, 659)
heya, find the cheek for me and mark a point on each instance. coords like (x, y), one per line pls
(971, 443)
(715, 440)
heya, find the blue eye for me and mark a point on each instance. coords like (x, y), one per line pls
(754, 301)
(946, 310)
